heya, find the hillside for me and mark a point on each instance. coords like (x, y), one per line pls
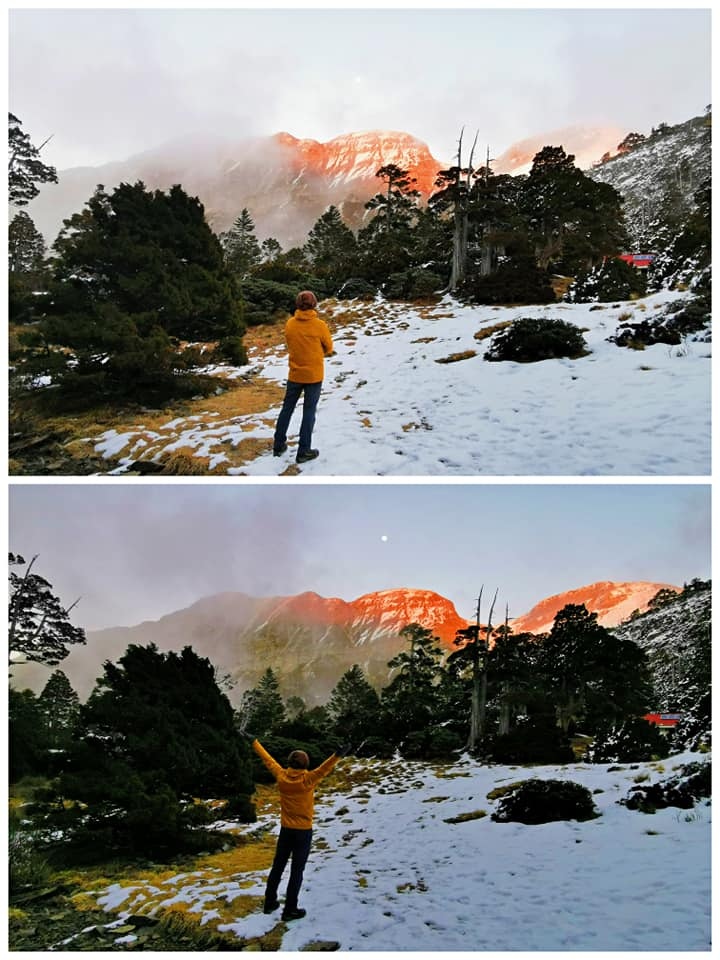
(308, 640)
(659, 177)
(395, 867)
(677, 640)
(408, 393)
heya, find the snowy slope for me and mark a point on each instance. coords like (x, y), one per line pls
(388, 872)
(389, 409)
(665, 169)
(612, 602)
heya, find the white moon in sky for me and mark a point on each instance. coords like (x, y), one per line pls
(383, 538)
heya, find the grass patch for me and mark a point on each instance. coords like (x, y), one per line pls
(465, 817)
(455, 357)
(503, 791)
(489, 331)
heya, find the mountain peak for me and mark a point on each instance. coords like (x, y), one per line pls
(357, 156)
(613, 602)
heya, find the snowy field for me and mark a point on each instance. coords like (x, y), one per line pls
(388, 872)
(388, 408)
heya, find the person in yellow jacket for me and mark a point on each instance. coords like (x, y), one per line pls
(297, 795)
(309, 342)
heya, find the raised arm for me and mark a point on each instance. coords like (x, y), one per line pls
(272, 764)
(324, 769)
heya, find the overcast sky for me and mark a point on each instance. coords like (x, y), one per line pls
(108, 83)
(136, 551)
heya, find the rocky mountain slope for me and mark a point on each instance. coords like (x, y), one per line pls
(285, 182)
(309, 640)
(658, 178)
(613, 603)
(676, 638)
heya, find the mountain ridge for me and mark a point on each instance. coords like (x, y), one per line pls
(310, 640)
(286, 182)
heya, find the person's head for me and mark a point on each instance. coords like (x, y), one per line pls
(306, 300)
(298, 760)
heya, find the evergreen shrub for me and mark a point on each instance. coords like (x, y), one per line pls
(533, 741)
(27, 868)
(412, 284)
(535, 338)
(376, 747)
(634, 741)
(613, 280)
(517, 281)
(234, 350)
(266, 301)
(545, 801)
(357, 289)
(239, 808)
(434, 743)
(690, 316)
(694, 782)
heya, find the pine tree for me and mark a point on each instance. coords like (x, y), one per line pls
(240, 245)
(39, 626)
(631, 142)
(155, 733)
(386, 243)
(135, 273)
(270, 250)
(60, 707)
(589, 673)
(262, 707)
(27, 740)
(25, 168)
(332, 249)
(26, 246)
(354, 707)
(572, 219)
(513, 676)
(397, 204)
(410, 701)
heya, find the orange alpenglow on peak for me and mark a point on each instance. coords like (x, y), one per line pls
(613, 603)
(358, 156)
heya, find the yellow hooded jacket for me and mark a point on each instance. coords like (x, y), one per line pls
(309, 342)
(297, 788)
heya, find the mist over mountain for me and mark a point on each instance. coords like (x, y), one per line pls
(287, 182)
(310, 640)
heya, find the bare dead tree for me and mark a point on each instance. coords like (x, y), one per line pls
(484, 676)
(463, 176)
(479, 663)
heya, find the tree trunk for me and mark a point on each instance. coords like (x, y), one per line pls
(504, 725)
(460, 219)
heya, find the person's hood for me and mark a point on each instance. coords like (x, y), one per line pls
(293, 774)
(305, 314)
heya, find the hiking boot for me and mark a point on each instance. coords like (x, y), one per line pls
(307, 455)
(271, 906)
(279, 451)
(293, 913)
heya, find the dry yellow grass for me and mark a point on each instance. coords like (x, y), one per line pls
(489, 331)
(455, 357)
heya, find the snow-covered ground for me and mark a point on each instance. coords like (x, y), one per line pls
(388, 408)
(388, 872)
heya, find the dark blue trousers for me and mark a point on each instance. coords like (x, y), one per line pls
(295, 844)
(293, 392)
